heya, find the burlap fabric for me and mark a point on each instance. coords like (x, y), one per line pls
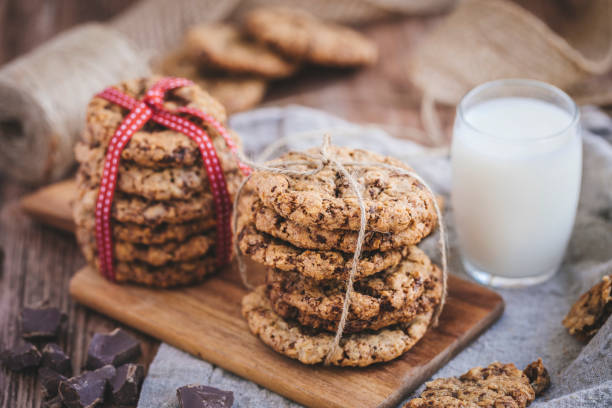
(484, 40)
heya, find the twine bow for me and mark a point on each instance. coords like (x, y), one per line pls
(324, 159)
(150, 107)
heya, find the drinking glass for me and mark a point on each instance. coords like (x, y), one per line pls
(516, 172)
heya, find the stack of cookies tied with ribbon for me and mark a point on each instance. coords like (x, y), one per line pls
(337, 229)
(157, 176)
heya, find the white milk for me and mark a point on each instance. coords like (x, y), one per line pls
(517, 167)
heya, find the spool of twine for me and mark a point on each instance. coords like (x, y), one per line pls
(324, 159)
(43, 96)
(483, 40)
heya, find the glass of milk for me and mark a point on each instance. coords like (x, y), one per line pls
(517, 167)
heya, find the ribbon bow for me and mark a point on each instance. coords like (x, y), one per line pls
(150, 107)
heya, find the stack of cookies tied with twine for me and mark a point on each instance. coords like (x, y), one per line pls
(168, 212)
(337, 229)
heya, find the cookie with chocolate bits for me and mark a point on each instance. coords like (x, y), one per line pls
(308, 346)
(393, 201)
(235, 91)
(300, 35)
(497, 385)
(385, 299)
(317, 265)
(225, 47)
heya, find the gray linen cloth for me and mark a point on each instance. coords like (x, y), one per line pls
(531, 324)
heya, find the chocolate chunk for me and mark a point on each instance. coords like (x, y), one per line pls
(125, 385)
(41, 322)
(54, 358)
(538, 376)
(55, 402)
(116, 348)
(86, 390)
(201, 396)
(49, 380)
(21, 357)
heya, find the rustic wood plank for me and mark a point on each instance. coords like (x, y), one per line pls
(38, 264)
(205, 321)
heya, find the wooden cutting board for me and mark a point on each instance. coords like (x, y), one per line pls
(205, 321)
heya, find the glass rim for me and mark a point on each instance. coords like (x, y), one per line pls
(575, 112)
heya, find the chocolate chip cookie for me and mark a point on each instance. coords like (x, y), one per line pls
(192, 248)
(235, 92)
(168, 183)
(591, 311)
(160, 148)
(103, 118)
(224, 47)
(318, 265)
(135, 209)
(168, 275)
(382, 300)
(146, 234)
(304, 37)
(394, 202)
(497, 385)
(268, 221)
(310, 347)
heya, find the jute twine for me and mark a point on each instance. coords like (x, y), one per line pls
(44, 94)
(324, 159)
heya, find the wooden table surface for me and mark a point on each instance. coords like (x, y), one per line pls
(39, 261)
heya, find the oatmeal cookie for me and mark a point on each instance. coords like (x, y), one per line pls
(235, 92)
(84, 217)
(393, 202)
(591, 311)
(153, 142)
(498, 385)
(173, 273)
(168, 183)
(302, 36)
(269, 221)
(382, 300)
(317, 265)
(309, 347)
(168, 275)
(193, 247)
(134, 209)
(224, 47)
(160, 148)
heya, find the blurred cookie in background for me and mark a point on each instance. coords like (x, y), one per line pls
(225, 47)
(300, 35)
(236, 93)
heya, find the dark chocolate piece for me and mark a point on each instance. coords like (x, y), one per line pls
(43, 322)
(201, 396)
(55, 402)
(116, 348)
(54, 358)
(86, 390)
(22, 357)
(49, 380)
(125, 385)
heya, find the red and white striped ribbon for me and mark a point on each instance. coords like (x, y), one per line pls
(151, 108)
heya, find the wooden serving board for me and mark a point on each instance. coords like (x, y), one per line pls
(205, 320)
